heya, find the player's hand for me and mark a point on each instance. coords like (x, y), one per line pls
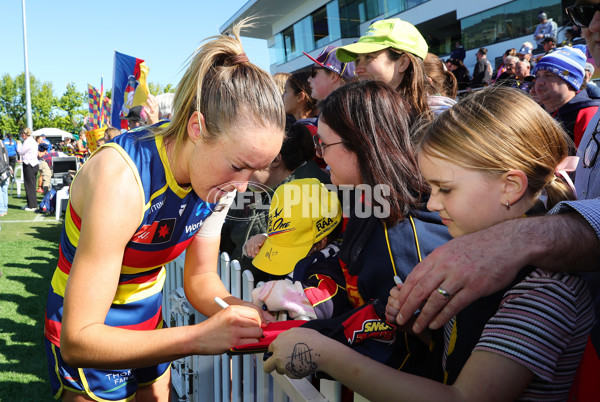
(236, 325)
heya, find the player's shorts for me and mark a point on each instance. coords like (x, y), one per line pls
(100, 385)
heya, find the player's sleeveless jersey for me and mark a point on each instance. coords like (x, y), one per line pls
(172, 216)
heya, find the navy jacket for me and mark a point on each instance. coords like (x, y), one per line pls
(366, 259)
(365, 256)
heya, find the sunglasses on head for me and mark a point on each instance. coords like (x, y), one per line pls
(582, 14)
(313, 71)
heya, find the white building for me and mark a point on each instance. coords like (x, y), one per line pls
(292, 26)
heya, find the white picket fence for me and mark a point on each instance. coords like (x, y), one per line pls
(225, 378)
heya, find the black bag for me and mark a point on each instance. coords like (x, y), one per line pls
(5, 169)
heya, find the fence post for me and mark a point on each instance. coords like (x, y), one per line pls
(332, 390)
(236, 361)
(204, 381)
(248, 364)
(224, 358)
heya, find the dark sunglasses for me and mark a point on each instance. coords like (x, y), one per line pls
(582, 14)
(313, 71)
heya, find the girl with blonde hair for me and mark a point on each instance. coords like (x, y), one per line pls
(138, 203)
(523, 139)
(486, 161)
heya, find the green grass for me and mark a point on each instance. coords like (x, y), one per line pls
(28, 255)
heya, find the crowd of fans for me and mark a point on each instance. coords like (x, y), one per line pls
(484, 73)
(526, 118)
(394, 199)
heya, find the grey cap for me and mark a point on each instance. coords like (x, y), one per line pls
(589, 67)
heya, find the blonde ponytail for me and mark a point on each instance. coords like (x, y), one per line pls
(225, 87)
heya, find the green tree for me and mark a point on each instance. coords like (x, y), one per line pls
(7, 126)
(13, 104)
(73, 105)
(66, 112)
(157, 89)
(43, 103)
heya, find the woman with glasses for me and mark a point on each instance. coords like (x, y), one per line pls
(364, 137)
(392, 51)
(138, 203)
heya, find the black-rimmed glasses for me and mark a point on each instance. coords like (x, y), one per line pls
(320, 145)
(590, 154)
(583, 14)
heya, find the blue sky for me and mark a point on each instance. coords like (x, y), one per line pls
(74, 41)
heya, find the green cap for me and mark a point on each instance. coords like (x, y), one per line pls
(382, 34)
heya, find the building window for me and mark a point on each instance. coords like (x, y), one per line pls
(355, 12)
(289, 42)
(315, 30)
(392, 7)
(320, 27)
(441, 33)
(277, 51)
(305, 38)
(512, 20)
(333, 21)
